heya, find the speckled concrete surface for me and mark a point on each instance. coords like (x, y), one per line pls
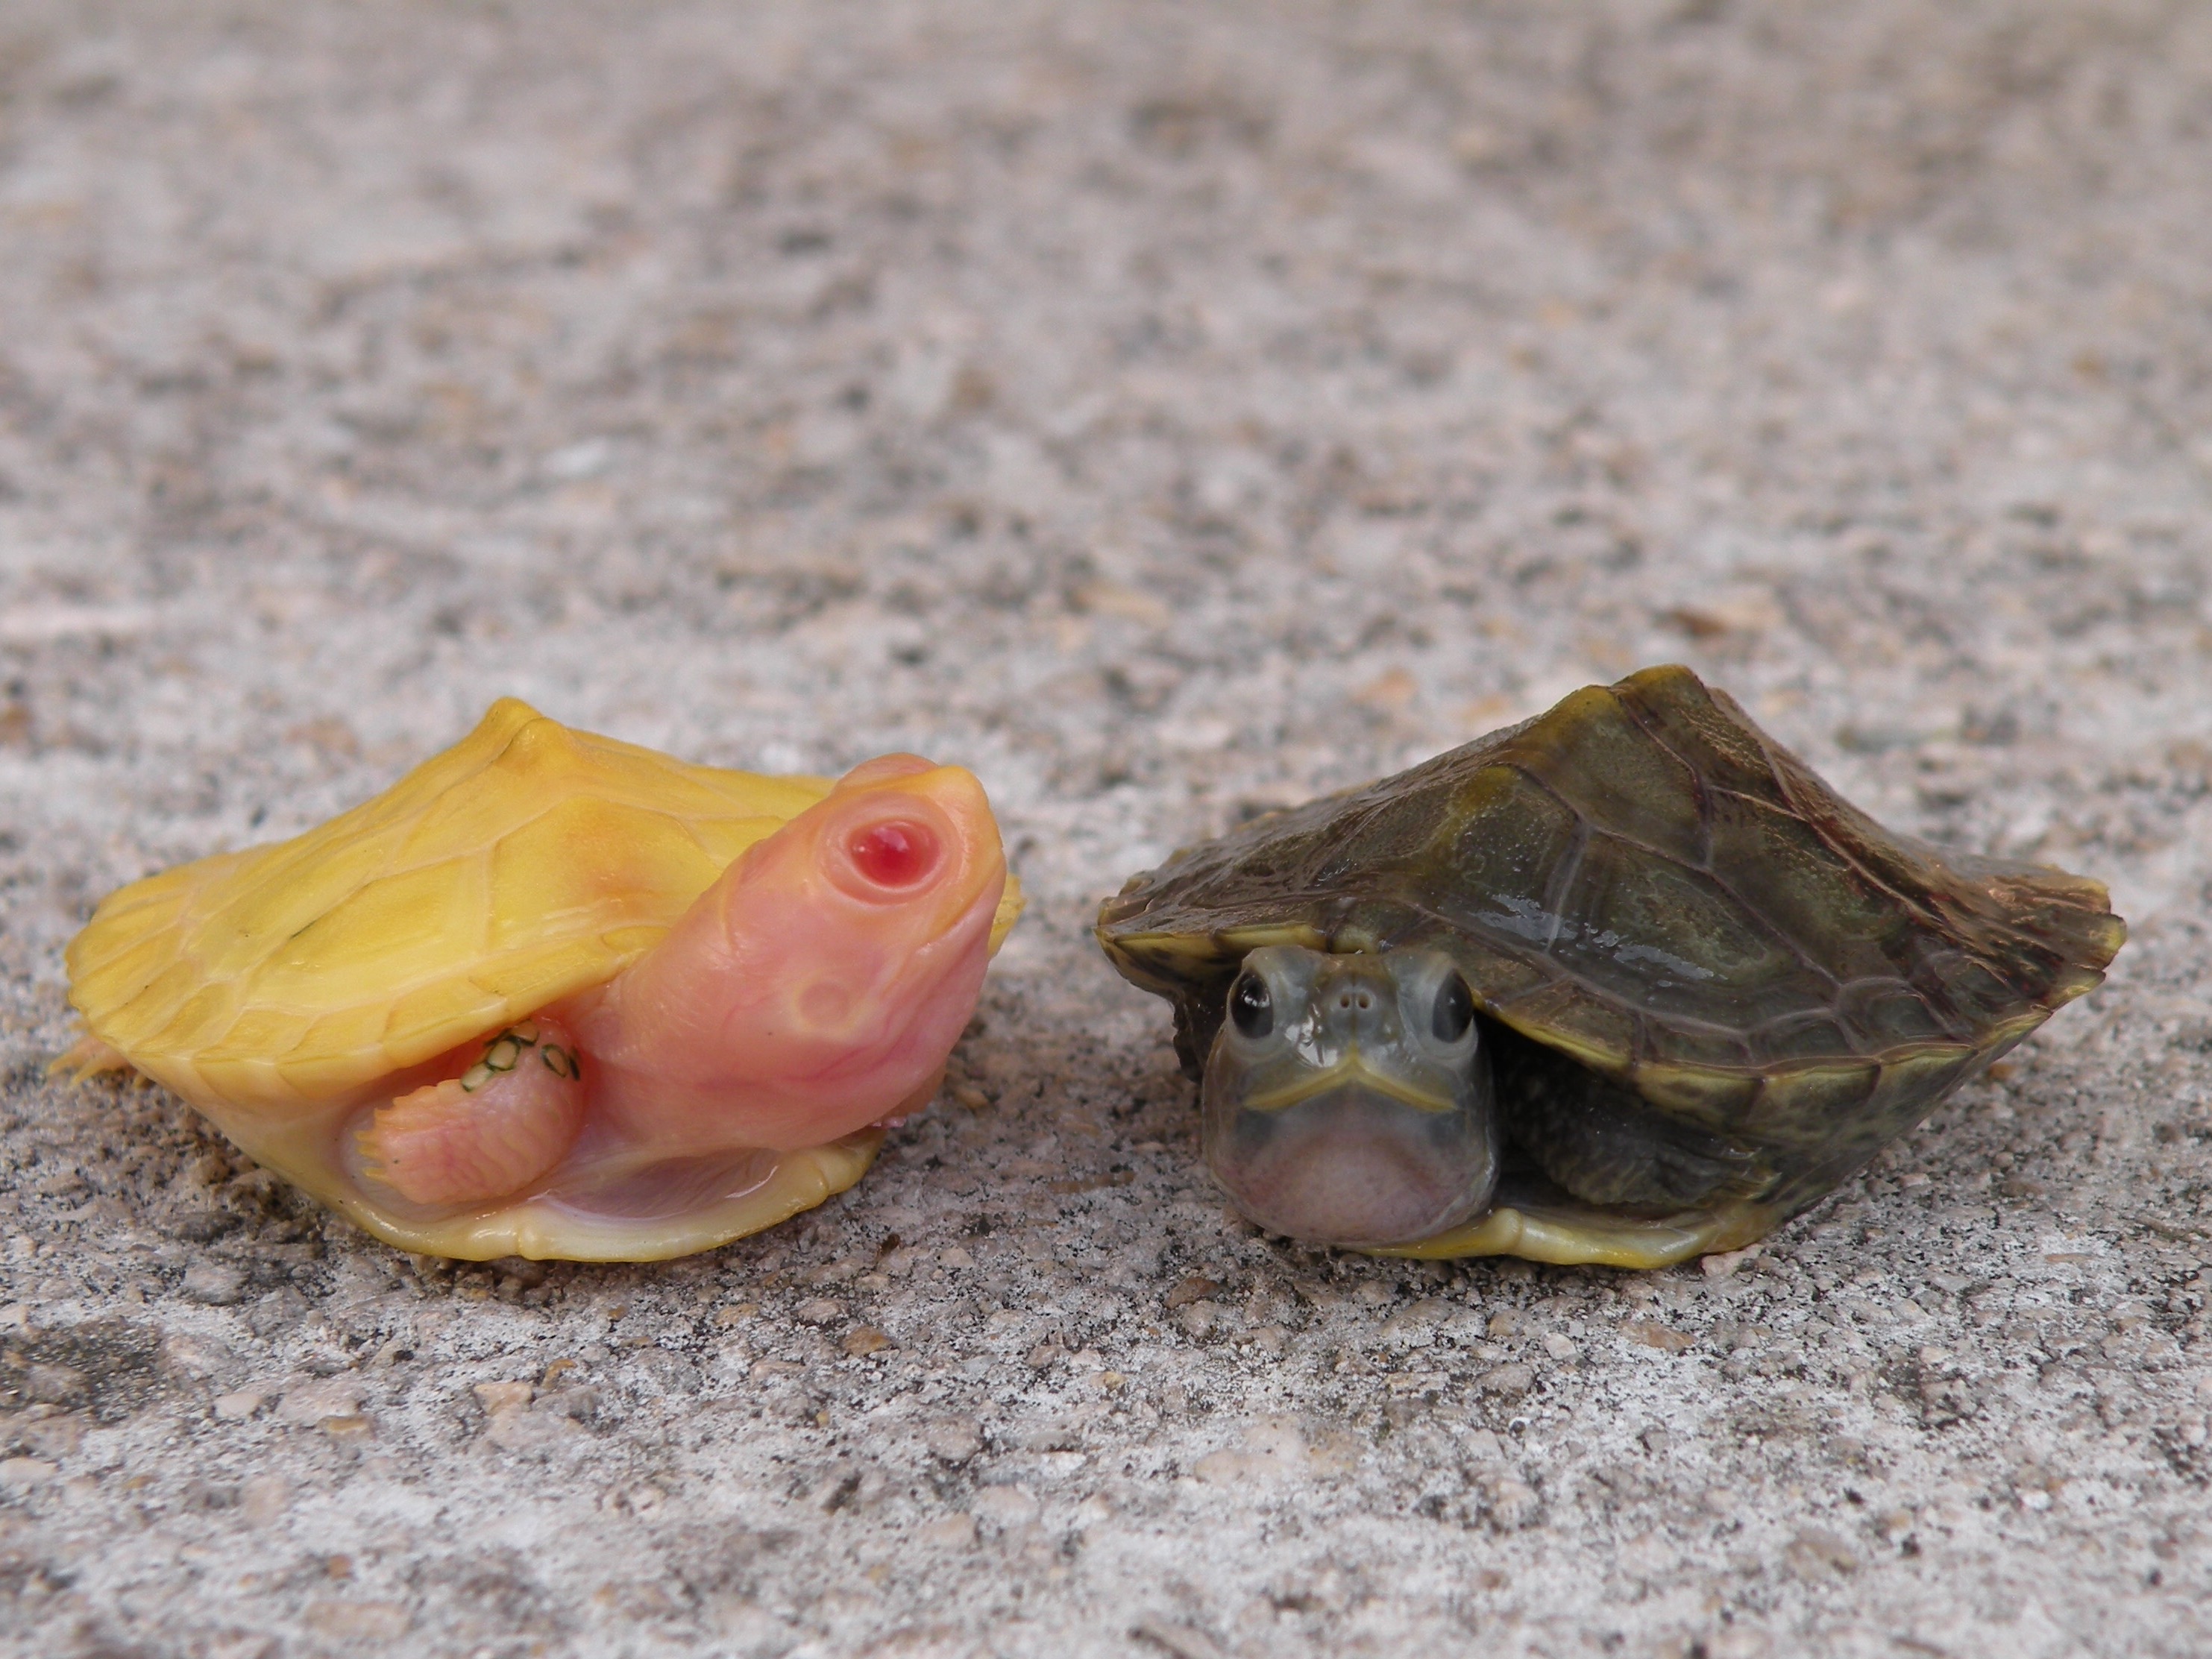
(1166, 410)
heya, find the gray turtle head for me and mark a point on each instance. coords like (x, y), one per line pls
(1346, 1100)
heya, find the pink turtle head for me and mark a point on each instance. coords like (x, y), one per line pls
(819, 985)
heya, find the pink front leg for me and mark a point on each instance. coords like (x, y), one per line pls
(497, 1126)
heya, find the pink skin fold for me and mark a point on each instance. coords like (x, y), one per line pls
(814, 988)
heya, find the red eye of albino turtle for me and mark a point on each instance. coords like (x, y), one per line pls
(896, 853)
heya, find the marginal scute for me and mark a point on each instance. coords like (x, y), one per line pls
(1795, 1036)
(1712, 1098)
(547, 975)
(1919, 1075)
(1643, 880)
(1161, 961)
(356, 1030)
(1974, 990)
(1496, 976)
(429, 1020)
(131, 972)
(1599, 1033)
(273, 1031)
(1242, 941)
(1791, 1097)
(1888, 1012)
(1708, 1048)
(2074, 981)
(203, 1017)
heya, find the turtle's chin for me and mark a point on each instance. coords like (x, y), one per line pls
(1352, 1165)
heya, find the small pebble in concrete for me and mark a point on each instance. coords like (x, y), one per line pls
(955, 1439)
(240, 1404)
(216, 1283)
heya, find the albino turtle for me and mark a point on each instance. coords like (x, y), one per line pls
(554, 995)
(1622, 984)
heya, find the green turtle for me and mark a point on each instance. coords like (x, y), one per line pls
(1625, 984)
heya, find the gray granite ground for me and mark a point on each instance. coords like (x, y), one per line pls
(1166, 410)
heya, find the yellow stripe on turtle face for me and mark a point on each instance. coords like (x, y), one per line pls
(1350, 1072)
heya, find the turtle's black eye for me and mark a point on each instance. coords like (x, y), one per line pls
(1250, 1006)
(1455, 1010)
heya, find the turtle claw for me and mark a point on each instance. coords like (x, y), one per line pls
(87, 1057)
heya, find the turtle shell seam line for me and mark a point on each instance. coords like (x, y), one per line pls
(1773, 933)
(1940, 1006)
(1697, 783)
(1542, 965)
(1924, 914)
(1583, 830)
(1572, 863)
(1796, 811)
(1553, 974)
(1772, 930)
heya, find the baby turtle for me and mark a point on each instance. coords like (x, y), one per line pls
(1623, 984)
(554, 995)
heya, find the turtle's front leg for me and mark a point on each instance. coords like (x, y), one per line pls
(499, 1126)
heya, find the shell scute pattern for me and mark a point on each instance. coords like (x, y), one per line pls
(523, 863)
(1506, 836)
(1643, 881)
(1619, 780)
